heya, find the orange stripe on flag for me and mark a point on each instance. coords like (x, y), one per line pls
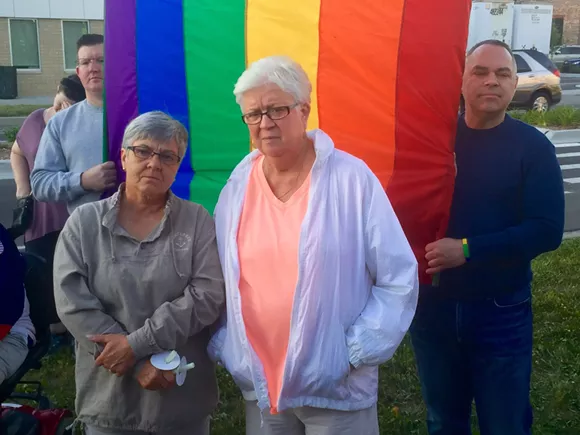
(357, 78)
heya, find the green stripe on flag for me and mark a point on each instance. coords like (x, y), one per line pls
(215, 56)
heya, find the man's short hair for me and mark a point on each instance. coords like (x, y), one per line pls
(89, 39)
(495, 42)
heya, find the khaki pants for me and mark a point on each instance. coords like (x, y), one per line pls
(201, 429)
(312, 421)
(13, 352)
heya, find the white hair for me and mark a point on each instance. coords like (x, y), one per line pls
(157, 126)
(282, 71)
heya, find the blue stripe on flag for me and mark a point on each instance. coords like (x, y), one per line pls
(161, 71)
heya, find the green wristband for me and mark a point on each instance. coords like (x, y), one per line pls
(465, 249)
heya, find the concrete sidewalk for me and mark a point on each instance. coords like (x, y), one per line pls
(562, 136)
(33, 101)
(11, 121)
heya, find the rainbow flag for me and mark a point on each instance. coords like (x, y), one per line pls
(386, 78)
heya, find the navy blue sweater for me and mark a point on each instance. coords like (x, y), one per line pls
(508, 202)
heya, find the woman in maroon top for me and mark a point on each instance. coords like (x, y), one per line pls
(47, 218)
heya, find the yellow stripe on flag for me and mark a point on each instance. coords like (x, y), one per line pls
(284, 27)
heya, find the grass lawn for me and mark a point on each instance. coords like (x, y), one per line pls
(19, 110)
(566, 117)
(556, 378)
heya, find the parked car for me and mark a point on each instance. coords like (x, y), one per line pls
(564, 53)
(571, 66)
(538, 81)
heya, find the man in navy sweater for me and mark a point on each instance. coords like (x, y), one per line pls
(472, 333)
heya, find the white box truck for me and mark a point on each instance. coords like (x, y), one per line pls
(532, 27)
(491, 20)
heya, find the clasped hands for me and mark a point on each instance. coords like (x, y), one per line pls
(118, 357)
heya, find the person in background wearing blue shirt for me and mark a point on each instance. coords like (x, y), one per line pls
(68, 166)
(472, 333)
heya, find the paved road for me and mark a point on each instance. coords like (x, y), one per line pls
(570, 98)
(570, 82)
(569, 158)
(570, 90)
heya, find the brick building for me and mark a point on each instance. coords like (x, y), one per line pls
(39, 37)
(567, 15)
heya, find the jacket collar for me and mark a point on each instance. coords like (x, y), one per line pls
(323, 147)
(113, 203)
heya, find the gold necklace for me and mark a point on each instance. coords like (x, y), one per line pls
(294, 182)
(293, 185)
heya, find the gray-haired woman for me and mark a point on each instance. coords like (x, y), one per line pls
(135, 275)
(321, 283)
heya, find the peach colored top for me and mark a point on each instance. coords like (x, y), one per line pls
(268, 238)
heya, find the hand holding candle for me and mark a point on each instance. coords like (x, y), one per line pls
(170, 361)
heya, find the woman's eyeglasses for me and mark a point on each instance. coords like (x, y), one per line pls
(274, 113)
(145, 153)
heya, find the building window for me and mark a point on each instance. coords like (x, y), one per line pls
(24, 44)
(71, 32)
(557, 31)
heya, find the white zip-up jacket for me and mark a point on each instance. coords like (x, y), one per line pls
(355, 297)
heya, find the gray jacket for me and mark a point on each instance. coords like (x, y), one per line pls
(162, 292)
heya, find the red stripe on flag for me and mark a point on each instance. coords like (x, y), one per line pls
(431, 61)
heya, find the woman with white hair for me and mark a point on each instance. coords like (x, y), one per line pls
(321, 283)
(136, 275)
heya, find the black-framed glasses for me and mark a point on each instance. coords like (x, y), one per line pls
(274, 113)
(143, 152)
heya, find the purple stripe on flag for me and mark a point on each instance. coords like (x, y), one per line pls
(120, 74)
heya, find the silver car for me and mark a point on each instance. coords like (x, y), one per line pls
(538, 81)
(565, 52)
